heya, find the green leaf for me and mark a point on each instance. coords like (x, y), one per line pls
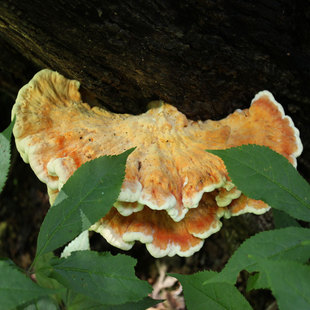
(107, 279)
(5, 153)
(85, 198)
(289, 282)
(262, 174)
(215, 296)
(291, 243)
(15, 288)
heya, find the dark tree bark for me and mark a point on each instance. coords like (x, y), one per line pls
(207, 58)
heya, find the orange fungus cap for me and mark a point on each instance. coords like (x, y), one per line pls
(174, 192)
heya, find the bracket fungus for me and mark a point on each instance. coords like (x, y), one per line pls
(174, 192)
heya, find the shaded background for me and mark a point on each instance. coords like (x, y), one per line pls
(207, 58)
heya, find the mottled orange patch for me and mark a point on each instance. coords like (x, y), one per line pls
(152, 223)
(204, 218)
(262, 124)
(244, 202)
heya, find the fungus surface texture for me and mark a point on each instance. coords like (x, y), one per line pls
(174, 192)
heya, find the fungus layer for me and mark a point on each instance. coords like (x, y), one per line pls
(174, 192)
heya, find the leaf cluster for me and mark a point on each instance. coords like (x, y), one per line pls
(86, 279)
(276, 260)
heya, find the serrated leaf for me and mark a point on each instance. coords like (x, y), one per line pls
(104, 278)
(289, 282)
(15, 288)
(262, 174)
(215, 296)
(85, 198)
(291, 243)
(5, 154)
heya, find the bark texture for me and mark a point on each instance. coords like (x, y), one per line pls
(207, 58)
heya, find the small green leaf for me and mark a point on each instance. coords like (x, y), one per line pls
(104, 278)
(15, 288)
(215, 296)
(43, 270)
(85, 198)
(80, 302)
(257, 281)
(5, 153)
(43, 304)
(291, 243)
(289, 282)
(282, 220)
(262, 174)
(142, 304)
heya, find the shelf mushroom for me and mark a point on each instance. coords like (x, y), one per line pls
(174, 192)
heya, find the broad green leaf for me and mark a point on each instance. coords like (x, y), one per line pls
(215, 296)
(85, 198)
(17, 289)
(289, 282)
(282, 220)
(5, 154)
(291, 243)
(107, 279)
(262, 174)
